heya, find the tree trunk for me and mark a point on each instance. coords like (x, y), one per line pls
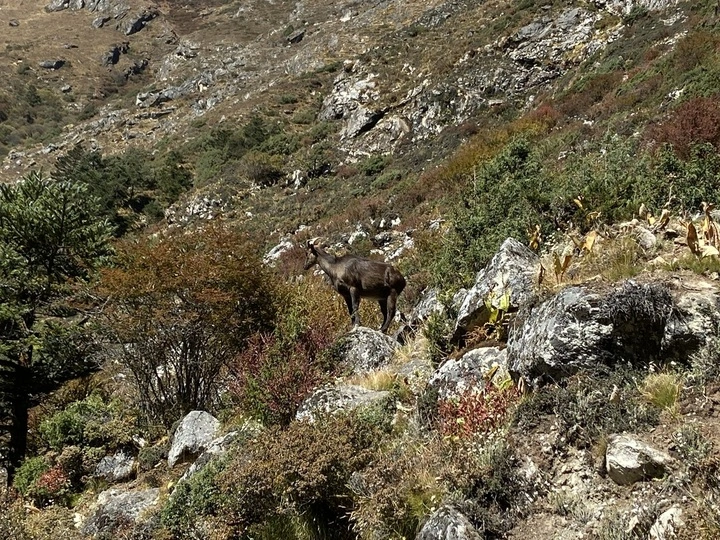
(20, 406)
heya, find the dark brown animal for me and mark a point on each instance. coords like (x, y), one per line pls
(357, 277)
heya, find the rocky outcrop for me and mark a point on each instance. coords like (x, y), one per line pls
(629, 460)
(469, 372)
(448, 524)
(363, 349)
(115, 508)
(582, 327)
(116, 468)
(512, 271)
(194, 435)
(335, 398)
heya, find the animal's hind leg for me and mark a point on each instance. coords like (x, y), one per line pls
(391, 303)
(383, 309)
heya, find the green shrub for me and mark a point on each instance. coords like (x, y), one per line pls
(261, 168)
(189, 510)
(27, 474)
(90, 422)
(149, 456)
(583, 409)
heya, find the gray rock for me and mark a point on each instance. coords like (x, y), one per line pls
(331, 399)
(137, 22)
(629, 460)
(580, 328)
(57, 5)
(116, 507)
(645, 238)
(363, 349)
(513, 268)
(99, 22)
(116, 468)
(468, 372)
(447, 523)
(427, 305)
(51, 64)
(694, 321)
(296, 37)
(217, 448)
(3, 480)
(194, 434)
(668, 525)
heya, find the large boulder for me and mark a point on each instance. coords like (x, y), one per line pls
(582, 327)
(194, 434)
(117, 508)
(513, 270)
(363, 349)
(469, 372)
(695, 319)
(447, 523)
(331, 399)
(629, 460)
(116, 468)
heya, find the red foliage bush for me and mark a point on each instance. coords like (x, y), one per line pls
(695, 121)
(475, 412)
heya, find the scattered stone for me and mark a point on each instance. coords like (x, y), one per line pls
(66, 88)
(469, 372)
(117, 507)
(57, 5)
(194, 434)
(629, 460)
(296, 37)
(52, 64)
(136, 23)
(332, 398)
(668, 525)
(116, 468)
(99, 22)
(14, 23)
(448, 524)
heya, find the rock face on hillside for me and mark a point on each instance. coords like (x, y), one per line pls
(448, 524)
(469, 372)
(512, 272)
(194, 434)
(586, 326)
(581, 327)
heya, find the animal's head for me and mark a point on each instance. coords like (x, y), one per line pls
(311, 255)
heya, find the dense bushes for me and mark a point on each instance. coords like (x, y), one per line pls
(181, 308)
(286, 481)
(278, 369)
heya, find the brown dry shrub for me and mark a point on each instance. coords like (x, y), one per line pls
(183, 307)
(299, 472)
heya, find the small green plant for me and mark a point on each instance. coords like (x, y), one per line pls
(28, 473)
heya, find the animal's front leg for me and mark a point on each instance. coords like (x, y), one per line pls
(384, 309)
(355, 313)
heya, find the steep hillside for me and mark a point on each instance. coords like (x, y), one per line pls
(544, 175)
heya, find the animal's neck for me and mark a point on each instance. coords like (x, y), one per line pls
(326, 262)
